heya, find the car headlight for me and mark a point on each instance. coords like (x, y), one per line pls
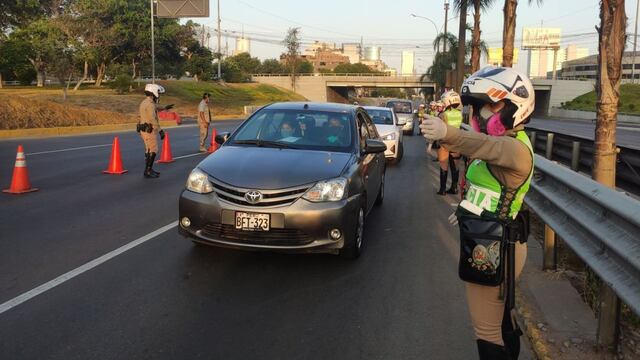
(327, 190)
(391, 136)
(198, 182)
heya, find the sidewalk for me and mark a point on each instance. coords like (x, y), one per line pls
(553, 315)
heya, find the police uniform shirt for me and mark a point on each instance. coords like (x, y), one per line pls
(148, 113)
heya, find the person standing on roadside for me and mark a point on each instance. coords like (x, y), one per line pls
(497, 180)
(451, 116)
(149, 127)
(204, 118)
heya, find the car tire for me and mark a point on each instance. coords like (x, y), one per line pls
(353, 245)
(380, 197)
(400, 153)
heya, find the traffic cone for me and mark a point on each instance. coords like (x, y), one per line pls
(20, 181)
(115, 163)
(166, 156)
(214, 145)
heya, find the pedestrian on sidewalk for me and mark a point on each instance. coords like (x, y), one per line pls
(149, 127)
(204, 118)
(497, 180)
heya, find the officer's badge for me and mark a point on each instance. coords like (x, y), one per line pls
(486, 259)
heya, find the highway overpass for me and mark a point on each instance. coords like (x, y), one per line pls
(336, 87)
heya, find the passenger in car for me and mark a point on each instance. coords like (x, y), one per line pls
(335, 132)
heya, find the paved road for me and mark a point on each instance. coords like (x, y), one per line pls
(170, 299)
(628, 136)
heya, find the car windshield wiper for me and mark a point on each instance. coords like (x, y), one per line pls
(266, 143)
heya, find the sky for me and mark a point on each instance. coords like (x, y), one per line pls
(389, 24)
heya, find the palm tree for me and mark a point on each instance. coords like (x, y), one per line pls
(509, 30)
(460, 7)
(478, 7)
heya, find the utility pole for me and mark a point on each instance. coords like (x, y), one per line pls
(635, 40)
(203, 31)
(153, 50)
(462, 32)
(219, 48)
(446, 15)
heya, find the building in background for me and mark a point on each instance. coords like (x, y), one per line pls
(407, 64)
(587, 67)
(243, 45)
(353, 51)
(372, 53)
(320, 46)
(494, 56)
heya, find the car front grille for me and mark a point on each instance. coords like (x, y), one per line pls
(269, 197)
(277, 237)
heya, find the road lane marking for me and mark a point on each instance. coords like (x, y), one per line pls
(84, 268)
(69, 149)
(190, 155)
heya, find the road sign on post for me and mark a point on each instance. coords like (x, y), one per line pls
(182, 8)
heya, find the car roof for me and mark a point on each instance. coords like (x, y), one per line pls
(399, 100)
(382, 108)
(317, 106)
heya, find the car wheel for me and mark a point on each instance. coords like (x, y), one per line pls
(380, 198)
(400, 153)
(353, 246)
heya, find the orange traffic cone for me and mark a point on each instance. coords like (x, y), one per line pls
(115, 163)
(20, 181)
(214, 145)
(166, 156)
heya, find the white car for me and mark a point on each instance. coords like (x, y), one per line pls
(386, 123)
(405, 114)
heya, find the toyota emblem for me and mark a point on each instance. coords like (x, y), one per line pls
(253, 197)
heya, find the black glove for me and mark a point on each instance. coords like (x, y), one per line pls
(170, 106)
(161, 132)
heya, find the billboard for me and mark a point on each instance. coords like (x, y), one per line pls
(182, 8)
(540, 38)
(494, 56)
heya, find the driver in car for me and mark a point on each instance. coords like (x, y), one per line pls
(286, 129)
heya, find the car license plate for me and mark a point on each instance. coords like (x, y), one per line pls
(252, 222)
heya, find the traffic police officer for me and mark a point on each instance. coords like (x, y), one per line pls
(497, 181)
(451, 116)
(204, 118)
(149, 127)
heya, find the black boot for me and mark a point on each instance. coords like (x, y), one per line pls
(491, 351)
(511, 335)
(153, 159)
(443, 181)
(454, 176)
(148, 172)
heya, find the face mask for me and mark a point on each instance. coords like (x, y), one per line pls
(488, 122)
(286, 132)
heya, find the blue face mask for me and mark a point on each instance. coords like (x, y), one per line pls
(286, 132)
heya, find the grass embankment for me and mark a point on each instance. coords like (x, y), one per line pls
(30, 107)
(629, 100)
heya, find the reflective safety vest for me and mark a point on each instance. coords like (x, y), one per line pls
(453, 117)
(486, 192)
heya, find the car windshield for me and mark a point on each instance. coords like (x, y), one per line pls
(381, 117)
(400, 107)
(297, 129)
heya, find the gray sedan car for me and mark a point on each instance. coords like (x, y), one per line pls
(294, 177)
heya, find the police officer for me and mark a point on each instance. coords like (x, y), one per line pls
(451, 116)
(204, 118)
(149, 127)
(497, 180)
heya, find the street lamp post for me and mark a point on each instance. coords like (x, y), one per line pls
(434, 26)
(446, 14)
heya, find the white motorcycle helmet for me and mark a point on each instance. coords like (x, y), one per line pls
(451, 98)
(493, 84)
(154, 89)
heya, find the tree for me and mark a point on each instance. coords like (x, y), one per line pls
(271, 66)
(247, 64)
(305, 67)
(231, 71)
(478, 7)
(461, 7)
(509, 30)
(200, 64)
(357, 68)
(292, 44)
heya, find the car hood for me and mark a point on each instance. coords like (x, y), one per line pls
(271, 168)
(386, 129)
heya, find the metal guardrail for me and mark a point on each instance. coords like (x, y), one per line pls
(601, 225)
(577, 153)
(338, 75)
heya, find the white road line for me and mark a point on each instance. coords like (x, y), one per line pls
(69, 149)
(190, 155)
(84, 268)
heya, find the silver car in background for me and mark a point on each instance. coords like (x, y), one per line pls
(405, 113)
(391, 133)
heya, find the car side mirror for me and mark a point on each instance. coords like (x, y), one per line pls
(415, 112)
(373, 146)
(222, 137)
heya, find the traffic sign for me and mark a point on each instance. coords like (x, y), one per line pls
(182, 8)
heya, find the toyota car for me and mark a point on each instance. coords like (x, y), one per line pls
(387, 125)
(294, 177)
